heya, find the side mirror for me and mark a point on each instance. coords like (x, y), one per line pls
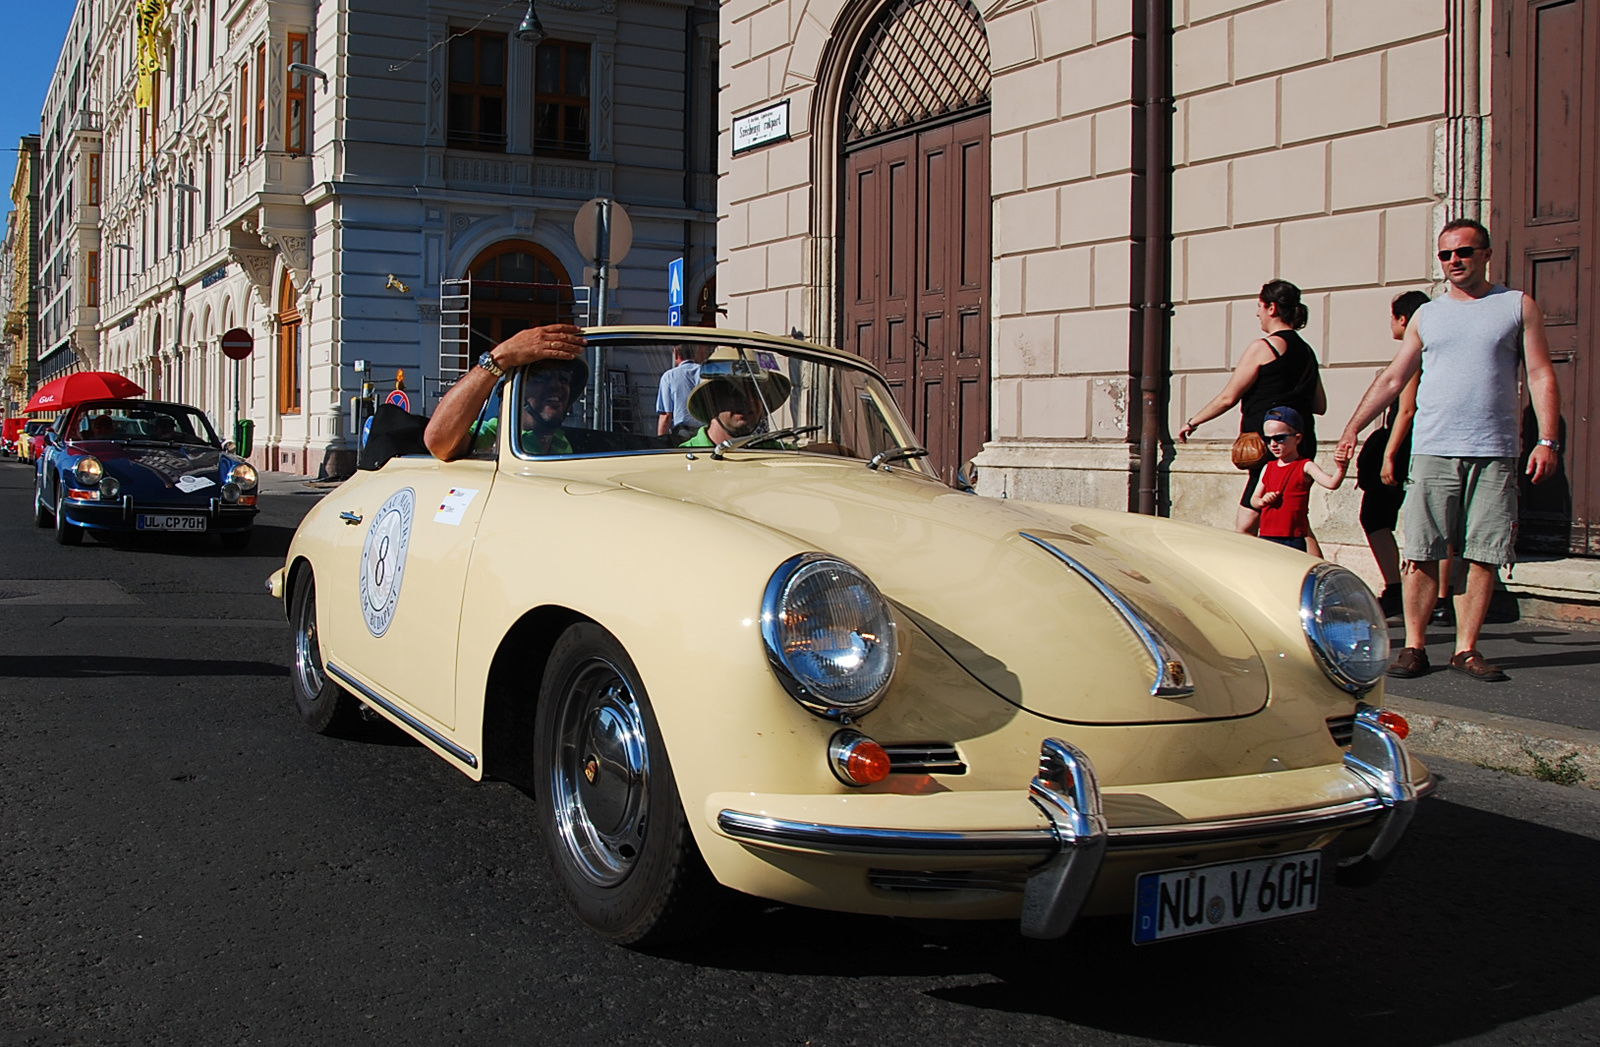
(967, 477)
(229, 445)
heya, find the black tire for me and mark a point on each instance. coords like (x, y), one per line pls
(236, 540)
(608, 804)
(66, 533)
(326, 707)
(41, 512)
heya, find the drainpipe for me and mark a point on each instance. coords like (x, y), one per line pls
(1157, 246)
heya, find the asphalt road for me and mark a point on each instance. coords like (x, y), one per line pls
(181, 863)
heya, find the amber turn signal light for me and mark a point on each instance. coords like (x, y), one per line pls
(857, 759)
(1394, 722)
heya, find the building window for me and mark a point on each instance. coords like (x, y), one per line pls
(294, 99)
(91, 279)
(291, 349)
(244, 111)
(261, 95)
(477, 113)
(561, 99)
(94, 179)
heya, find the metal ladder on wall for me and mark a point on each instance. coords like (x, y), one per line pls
(456, 351)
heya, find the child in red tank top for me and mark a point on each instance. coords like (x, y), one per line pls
(1284, 492)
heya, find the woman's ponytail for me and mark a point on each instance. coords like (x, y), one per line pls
(1286, 298)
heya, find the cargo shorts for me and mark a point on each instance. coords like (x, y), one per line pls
(1468, 503)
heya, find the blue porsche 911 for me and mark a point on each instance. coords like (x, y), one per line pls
(142, 465)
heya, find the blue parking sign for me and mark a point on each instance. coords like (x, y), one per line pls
(675, 283)
(675, 316)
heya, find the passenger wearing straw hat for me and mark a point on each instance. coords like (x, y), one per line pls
(732, 398)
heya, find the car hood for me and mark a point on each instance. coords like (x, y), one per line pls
(189, 468)
(1021, 621)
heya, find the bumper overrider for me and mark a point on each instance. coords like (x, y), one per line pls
(1071, 849)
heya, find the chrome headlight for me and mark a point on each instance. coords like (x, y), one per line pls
(110, 487)
(243, 474)
(829, 635)
(88, 471)
(1345, 627)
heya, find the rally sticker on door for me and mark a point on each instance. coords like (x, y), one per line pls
(383, 560)
(453, 509)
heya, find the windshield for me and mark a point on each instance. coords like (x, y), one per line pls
(143, 422)
(36, 427)
(658, 396)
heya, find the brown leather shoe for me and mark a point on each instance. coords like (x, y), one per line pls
(1472, 663)
(1413, 661)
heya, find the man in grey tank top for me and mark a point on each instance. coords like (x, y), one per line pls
(1463, 488)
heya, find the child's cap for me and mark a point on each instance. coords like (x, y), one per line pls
(1288, 416)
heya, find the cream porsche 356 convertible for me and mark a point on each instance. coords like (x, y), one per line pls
(795, 663)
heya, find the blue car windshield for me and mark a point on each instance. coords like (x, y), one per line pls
(142, 422)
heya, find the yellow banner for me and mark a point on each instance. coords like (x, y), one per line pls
(152, 16)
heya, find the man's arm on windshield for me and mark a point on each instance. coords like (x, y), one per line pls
(448, 432)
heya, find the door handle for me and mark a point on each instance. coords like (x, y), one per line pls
(350, 518)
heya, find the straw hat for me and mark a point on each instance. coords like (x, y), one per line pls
(727, 366)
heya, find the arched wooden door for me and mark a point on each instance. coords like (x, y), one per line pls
(516, 284)
(916, 218)
(1546, 182)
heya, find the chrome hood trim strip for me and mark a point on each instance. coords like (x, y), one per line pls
(1172, 675)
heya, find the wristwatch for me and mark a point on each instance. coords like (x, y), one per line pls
(486, 361)
(1554, 445)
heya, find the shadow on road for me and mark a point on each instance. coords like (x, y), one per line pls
(268, 540)
(62, 667)
(1482, 921)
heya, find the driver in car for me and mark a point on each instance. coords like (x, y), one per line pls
(733, 397)
(557, 350)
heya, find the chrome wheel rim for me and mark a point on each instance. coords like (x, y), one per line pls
(600, 774)
(307, 653)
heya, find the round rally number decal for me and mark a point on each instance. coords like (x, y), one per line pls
(383, 560)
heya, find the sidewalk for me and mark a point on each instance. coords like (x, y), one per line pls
(1551, 704)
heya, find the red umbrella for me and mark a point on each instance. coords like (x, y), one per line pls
(78, 387)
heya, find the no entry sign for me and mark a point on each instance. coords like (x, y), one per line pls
(237, 344)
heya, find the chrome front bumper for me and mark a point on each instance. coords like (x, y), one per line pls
(1072, 847)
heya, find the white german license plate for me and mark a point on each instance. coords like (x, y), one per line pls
(170, 522)
(1178, 902)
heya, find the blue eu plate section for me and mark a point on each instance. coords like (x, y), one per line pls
(1193, 900)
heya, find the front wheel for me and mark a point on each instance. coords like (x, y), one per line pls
(608, 804)
(67, 533)
(326, 707)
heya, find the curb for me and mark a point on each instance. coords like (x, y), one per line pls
(1496, 740)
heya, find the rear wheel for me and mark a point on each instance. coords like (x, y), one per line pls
(326, 707)
(66, 533)
(608, 804)
(41, 511)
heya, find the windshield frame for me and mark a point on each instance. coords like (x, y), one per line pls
(883, 397)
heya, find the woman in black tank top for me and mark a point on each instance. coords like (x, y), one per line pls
(1277, 370)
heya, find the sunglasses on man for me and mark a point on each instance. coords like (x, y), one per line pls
(1462, 253)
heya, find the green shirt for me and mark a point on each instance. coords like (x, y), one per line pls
(489, 432)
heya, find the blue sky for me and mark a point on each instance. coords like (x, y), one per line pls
(35, 30)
